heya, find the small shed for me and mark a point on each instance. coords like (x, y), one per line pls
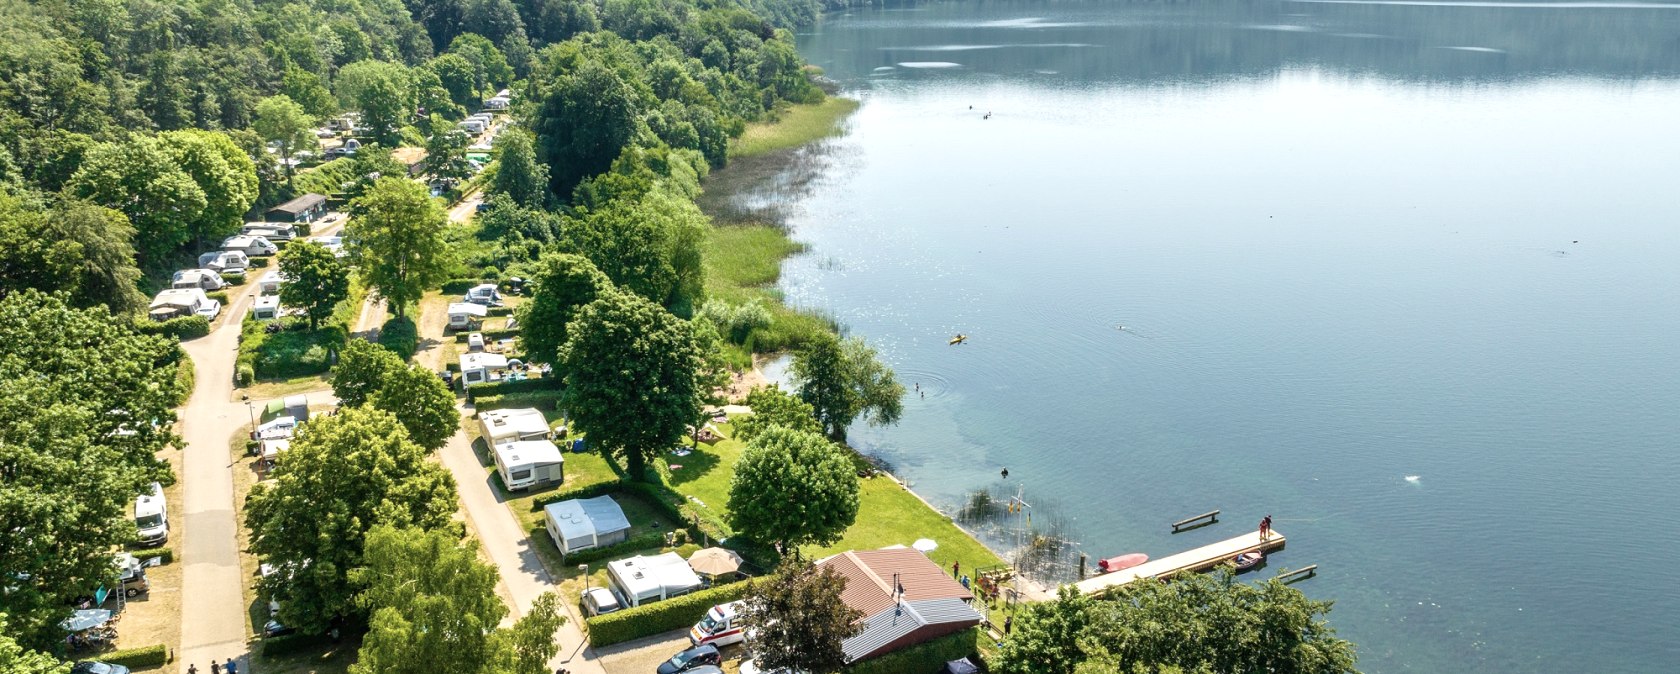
(302, 209)
(644, 578)
(466, 315)
(581, 524)
(529, 464)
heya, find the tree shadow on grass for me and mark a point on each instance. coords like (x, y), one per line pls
(697, 464)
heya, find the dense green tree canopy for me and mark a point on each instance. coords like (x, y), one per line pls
(844, 380)
(15, 659)
(343, 475)
(518, 175)
(774, 408)
(385, 94)
(793, 488)
(79, 439)
(797, 619)
(362, 370)
(315, 280)
(649, 246)
(446, 153)
(77, 248)
(140, 178)
(1196, 623)
(223, 171)
(584, 123)
(563, 284)
(629, 368)
(422, 402)
(284, 121)
(396, 240)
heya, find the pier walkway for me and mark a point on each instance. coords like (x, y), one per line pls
(1191, 560)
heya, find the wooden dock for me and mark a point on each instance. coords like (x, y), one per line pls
(1200, 558)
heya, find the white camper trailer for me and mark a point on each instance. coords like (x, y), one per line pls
(225, 261)
(581, 524)
(481, 368)
(179, 302)
(485, 294)
(466, 315)
(512, 425)
(652, 578)
(202, 279)
(529, 464)
(250, 245)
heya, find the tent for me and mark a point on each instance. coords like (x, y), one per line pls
(86, 619)
(581, 524)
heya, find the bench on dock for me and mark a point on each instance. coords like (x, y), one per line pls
(1201, 520)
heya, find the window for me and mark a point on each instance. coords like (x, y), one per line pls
(520, 474)
(148, 521)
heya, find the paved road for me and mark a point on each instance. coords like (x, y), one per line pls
(206, 537)
(463, 212)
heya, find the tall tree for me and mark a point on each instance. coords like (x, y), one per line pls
(313, 279)
(562, 285)
(15, 659)
(630, 377)
(342, 476)
(585, 121)
(518, 174)
(79, 439)
(422, 402)
(843, 380)
(397, 240)
(459, 77)
(488, 61)
(798, 619)
(362, 370)
(1196, 623)
(773, 408)
(306, 89)
(223, 171)
(649, 246)
(140, 178)
(282, 120)
(446, 153)
(793, 488)
(384, 93)
(435, 609)
(77, 248)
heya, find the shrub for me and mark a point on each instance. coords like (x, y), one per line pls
(186, 376)
(924, 658)
(401, 336)
(660, 616)
(498, 388)
(233, 277)
(291, 352)
(259, 262)
(591, 491)
(138, 658)
(292, 643)
(500, 311)
(545, 400)
(167, 555)
(244, 375)
(489, 335)
(642, 541)
(182, 328)
(458, 286)
(219, 296)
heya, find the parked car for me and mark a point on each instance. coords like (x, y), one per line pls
(600, 601)
(97, 667)
(691, 659)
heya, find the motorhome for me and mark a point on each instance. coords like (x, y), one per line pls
(151, 516)
(202, 279)
(466, 315)
(250, 245)
(646, 578)
(179, 302)
(266, 308)
(720, 626)
(225, 261)
(529, 464)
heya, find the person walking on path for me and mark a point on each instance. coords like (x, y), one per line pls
(192, 669)
(215, 667)
(232, 667)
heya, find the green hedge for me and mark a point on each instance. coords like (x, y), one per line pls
(167, 554)
(641, 541)
(660, 616)
(289, 644)
(401, 336)
(233, 277)
(499, 311)
(456, 286)
(925, 658)
(504, 387)
(259, 262)
(219, 296)
(183, 328)
(186, 376)
(244, 375)
(138, 658)
(546, 400)
(288, 353)
(591, 491)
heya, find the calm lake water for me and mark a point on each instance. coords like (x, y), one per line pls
(1401, 274)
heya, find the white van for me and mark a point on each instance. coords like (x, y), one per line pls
(276, 232)
(720, 627)
(151, 516)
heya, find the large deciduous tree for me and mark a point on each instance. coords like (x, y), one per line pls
(798, 619)
(15, 659)
(562, 285)
(80, 249)
(223, 171)
(434, 609)
(385, 94)
(585, 121)
(630, 377)
(649, 246)
(793, 488)
(774, 408)
(314, 280)
(363, 368)
(139, 177)
(518, 174)
(446, 152)
(87, 404)
(1196, 623)
(845, 380)
(282, 120)
(422, 402)
(397, 240)
(343, 475)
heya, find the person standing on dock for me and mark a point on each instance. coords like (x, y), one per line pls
(1266, 527)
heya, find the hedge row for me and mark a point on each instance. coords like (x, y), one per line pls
(591, 491)
(504, 387)
(660, 616)
(546, 400)
(457, 286)
(186, 374)
(401, 336)
(500, 311)
(233, 278)
(489, 335)
(183, 328)
(925, 658)
(642, 541)
(138, 658)
(219, 296)
(259, 262)
(167, 554)
(292, 643)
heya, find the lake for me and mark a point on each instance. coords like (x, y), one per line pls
(1400, 274)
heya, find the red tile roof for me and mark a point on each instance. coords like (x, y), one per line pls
(869, 577)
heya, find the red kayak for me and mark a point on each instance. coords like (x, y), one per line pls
(1113, 564)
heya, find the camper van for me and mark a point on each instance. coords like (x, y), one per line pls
(250, 245)
(225, 261)
(151, 516)
(485, 294)
(179, 302)
(203, 279)
(720, 627)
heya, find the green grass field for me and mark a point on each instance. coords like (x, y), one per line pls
(742, 264)
(797, 126)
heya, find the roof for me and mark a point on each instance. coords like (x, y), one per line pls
(300, 204)
(512, 423)
(179, 297)
(456, 308)
(869, 575)
(241, 241)
(587, 516)
(267, 301)
(528, 452)
(271, 276)
(482, 361)
(894, 623)
(194, 275)
(643, 575)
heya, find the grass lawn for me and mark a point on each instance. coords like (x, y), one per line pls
(268, 389)
(797, 126)
(742, 264)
